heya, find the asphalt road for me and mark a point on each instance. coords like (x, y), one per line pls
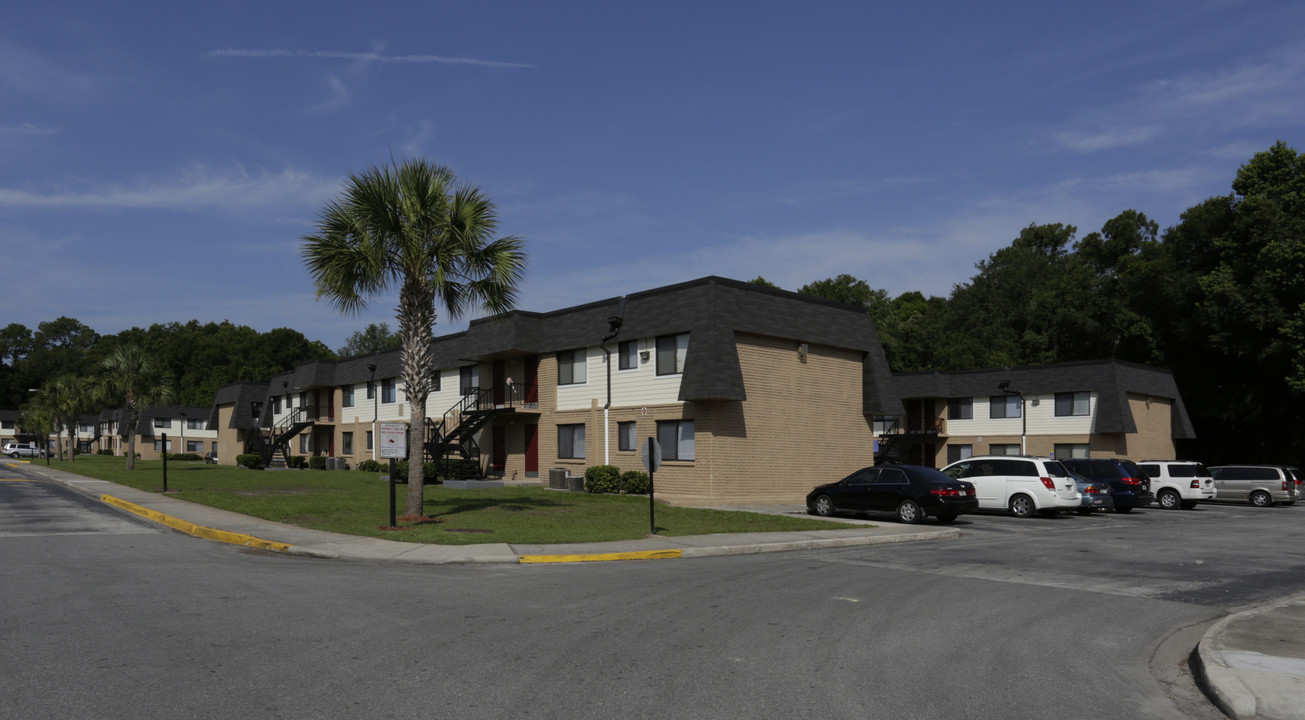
(108, 617)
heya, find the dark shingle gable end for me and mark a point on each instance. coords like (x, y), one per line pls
(1112, 380)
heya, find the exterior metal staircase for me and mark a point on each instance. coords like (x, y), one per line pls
(267, 446)
(451, 441)
(895, 442)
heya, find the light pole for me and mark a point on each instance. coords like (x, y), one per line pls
(371, 389)
(1004, 386)
(183, 433)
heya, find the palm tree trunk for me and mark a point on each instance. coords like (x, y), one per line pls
(416, 318)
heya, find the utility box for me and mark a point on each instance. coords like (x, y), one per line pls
(576, 483)
(557, 479)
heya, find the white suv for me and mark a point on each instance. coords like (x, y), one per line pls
(1179, 483)
(22, 449)
(1019, 483)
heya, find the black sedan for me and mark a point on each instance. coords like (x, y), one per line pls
(910, 491)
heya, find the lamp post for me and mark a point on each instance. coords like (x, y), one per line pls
(183, 433)
(371, 388)
(1004, 386)
(614, 323)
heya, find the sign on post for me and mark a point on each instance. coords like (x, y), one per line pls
(394, 440)
(652, 459)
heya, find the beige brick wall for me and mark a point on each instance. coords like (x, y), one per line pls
(1154, 439)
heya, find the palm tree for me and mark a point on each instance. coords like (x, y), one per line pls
(137, 379)
(69, 396)
(409, 226)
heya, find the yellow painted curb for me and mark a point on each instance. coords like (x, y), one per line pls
(196, 530)
(15, 479)
(600, 557)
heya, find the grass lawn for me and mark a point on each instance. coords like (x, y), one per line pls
(348, 501)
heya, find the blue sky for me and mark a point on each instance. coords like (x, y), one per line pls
(160, 161)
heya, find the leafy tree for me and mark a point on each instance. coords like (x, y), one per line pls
(410, 226)
(67, 397)
(759, 280)
(137, 379)
(373, 338)
(15, 343)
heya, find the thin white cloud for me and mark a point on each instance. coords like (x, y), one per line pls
(339, 97)
(366, 56)
(194, 189)
(1105, 140)
(27, 129)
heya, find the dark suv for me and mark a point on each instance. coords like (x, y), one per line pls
(1129, 486)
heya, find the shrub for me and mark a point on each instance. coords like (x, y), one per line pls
(104, 451)
(370, 466)
(182, 456)
(316, 462)
(603, 479)
(250, 460)
(635, 482)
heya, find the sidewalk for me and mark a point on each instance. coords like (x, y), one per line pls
(226, 526)
(1253, 663)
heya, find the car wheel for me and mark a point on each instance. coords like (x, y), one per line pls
(1259, 498)
(1022, 506)
(1124, 509)
(824, 506)
(13, 454)
(910, 512)
(1085, 511)
(1189, 504)
(1169, 500)
(947, 519)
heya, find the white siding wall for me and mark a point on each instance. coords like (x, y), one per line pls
(636, 387)
(1041, 416)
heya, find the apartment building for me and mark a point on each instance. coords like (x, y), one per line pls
(187, 430)
(755, 394)
(1106, 409)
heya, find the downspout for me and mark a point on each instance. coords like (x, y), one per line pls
(614, 327)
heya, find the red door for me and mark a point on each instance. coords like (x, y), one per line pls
(532, 449)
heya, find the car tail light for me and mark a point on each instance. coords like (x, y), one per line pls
(1131, 481)
(1048, 482)
(1092, 490)
(1196, 484)
(950, 492)
(1284, 486)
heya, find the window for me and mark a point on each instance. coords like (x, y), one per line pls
(256, 409)
(1070, 450)
(6, 424)
(162, 422)
(435, 380)
(1005, 406)
(83, 428)
(571, 441)
(957, 453)
(1073, 403)
(571, 367)
(196, 424)
(346, 443)
(676, 438)
(1004, 449)
(215, 447)
(303, 401)
(891, 476)
(629, 354)
(371, 390)
(303, 444)
(347, 396)
(194, 446)
(671, 350)
(158, 446)
(625, 439)
(960, 408)
(884, 424)
(387, 390)
(276, 405)
(469, 377)
(369, 439)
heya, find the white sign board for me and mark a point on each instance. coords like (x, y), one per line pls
(394, 441)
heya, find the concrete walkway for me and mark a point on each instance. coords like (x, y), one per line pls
(1252, 663)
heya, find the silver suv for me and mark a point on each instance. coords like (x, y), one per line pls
(1021, 484)
(1262, 485)
(1179, 483)
(22, 449)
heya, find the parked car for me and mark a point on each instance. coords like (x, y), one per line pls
(1129, 486)
(23, 449)
(910, 491)
(1261, 485)
(1021, 484)
(1179, 483)
(1096, 495)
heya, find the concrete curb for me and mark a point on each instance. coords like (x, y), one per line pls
(1222, 684)
(197, 530)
